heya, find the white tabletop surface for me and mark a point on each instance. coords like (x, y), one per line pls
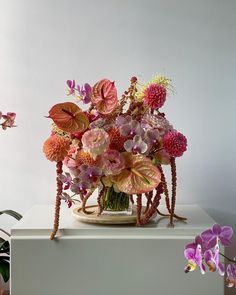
(38, 221)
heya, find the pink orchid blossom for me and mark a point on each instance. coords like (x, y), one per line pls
(194, 257)
(71, 87)
(212, 260)
(231, 275)
(223, 233)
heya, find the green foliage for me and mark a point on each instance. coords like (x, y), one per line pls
(5, 268)
(5, 247)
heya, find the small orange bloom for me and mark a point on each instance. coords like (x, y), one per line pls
(56, 148)
(83, 157)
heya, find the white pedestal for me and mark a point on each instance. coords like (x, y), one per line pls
(106, 260)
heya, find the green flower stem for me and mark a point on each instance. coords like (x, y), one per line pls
(229, 259)
(113, 201)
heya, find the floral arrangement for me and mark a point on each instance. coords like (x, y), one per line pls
(117, 146)
(205, 251)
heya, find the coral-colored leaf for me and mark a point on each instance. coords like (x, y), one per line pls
(69, 117)
(140, 176)
(104, 96)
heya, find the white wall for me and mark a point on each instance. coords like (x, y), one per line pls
(44, 43)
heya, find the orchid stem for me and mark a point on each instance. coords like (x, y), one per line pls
(229, 259)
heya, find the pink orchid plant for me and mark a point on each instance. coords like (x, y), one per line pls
(204, 252)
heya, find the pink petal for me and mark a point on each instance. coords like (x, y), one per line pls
(221, 269)
(87, 88)
(189, 253)
(143, 147)
(191, 245)
(211, 243)
(216, 229)
(207, 235)
(71, 83)
(208, 255)
(226, 232)
(128, 145)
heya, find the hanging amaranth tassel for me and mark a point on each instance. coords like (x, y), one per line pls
(58, 202)
(174, 185)
(167, 198)
(55, 149)
(153, 207)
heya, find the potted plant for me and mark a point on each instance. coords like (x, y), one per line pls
(5, 252)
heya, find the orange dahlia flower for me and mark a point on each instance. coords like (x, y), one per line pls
(56, 148)
(83, 157)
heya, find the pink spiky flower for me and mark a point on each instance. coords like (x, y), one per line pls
(175, 143)
(155, 96)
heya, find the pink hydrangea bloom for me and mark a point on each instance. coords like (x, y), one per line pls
(95, 141)
(159, 122)
(112, 162)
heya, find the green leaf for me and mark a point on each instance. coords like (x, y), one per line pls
(2, 243)
(5, 244)
(5, 270)
(4, 258)
(155, 161)
(4, 247)
(12, 213)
